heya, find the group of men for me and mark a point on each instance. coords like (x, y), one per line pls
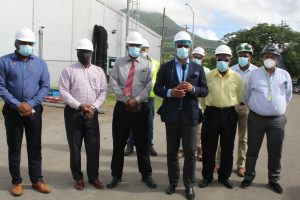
(227, 96)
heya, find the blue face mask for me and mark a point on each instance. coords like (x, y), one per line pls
(25, 50)
(182, 53)
(197, 61)
(243, 61)
(134, 51)
(222, 66)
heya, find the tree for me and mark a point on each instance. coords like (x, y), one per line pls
(262, 34)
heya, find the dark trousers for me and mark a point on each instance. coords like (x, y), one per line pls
(175, 131)
(123, 122)
(218, 123)
(273, 127)
(130, 141)
(79, 129)
(15, 125)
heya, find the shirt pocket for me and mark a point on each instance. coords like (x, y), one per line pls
(95, 83)
(141, 76)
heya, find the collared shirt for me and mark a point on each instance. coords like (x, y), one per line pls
(80, 85)
(243, 74)
(266, 94)
(142, 81)
(224, 91)
(206, 70)
(23, 81)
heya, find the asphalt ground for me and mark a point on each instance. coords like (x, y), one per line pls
(57, 174)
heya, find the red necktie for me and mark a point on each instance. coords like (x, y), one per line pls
(128, 88)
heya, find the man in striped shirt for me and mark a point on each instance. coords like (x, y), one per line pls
(83, 87)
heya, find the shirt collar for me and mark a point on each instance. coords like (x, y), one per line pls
(267, 72)
(129, 59)
(15, 57)
(217, 73)
(187, 61)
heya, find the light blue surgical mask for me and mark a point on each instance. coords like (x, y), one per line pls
(198, 61)
(25, 50)
(222, 66)
(144, 55)
(182, 53)
(243, 61)
(134, 51)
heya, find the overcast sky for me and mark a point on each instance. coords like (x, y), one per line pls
(214, 18)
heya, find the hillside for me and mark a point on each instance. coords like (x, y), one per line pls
(153, 20)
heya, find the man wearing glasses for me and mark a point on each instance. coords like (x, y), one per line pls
(225, 92)
(180, 82)
(131, 81)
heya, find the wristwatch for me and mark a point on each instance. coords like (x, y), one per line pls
(94, 108)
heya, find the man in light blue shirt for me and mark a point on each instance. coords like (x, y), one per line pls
(267, 93)
(24, 83)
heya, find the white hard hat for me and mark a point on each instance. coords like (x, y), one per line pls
(145, 43)
(25, 34)
(134, 38)
(85, 44)
(182, 35)
(223, 49)
(199, 50)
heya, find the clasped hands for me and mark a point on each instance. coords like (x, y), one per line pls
(25, 110)
(180, 90)
(87, 110)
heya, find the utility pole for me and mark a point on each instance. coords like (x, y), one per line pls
(193, 23)
(127, 23)
(162, 36)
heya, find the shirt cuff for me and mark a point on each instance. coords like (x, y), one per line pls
(169, 93)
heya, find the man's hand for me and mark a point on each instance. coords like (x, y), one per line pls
(24, 109)
(186, 86)
(87, 111)
(177, 92)
(132, 105)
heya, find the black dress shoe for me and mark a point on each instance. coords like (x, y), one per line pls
(152, 151)
(189, 193)
(276, 187)
(171, 189)
(227, 183)
(245, 184)
(114, 181)
(150, 182)
(204, 183)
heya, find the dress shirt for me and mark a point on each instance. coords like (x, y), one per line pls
(224, 91)
(243, 74)
(142, 81)
(83, 85)
(268, 95)
(23, 81)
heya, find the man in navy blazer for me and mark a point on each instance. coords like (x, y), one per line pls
(180, 82)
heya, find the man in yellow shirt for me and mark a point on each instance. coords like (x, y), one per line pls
(225, 91)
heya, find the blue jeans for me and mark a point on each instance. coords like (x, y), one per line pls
(130, 141)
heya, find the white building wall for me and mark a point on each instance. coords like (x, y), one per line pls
(65, 22)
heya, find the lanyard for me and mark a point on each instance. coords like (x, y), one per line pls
(270, 79)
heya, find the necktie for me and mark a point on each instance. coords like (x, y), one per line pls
(128, 87)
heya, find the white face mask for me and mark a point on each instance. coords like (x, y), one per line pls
(269, 63)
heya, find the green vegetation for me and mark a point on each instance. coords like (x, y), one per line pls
(262, 34)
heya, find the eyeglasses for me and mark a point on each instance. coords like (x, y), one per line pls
(183, 45)
(223, 59)
(134, 45)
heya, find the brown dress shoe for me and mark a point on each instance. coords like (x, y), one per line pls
(79, 185)
(41, 187)
(17, 190)
(97, 184)
(240, 171)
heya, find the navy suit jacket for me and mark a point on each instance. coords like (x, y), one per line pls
(167, 79)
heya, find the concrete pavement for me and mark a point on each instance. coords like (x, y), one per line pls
(57, 173)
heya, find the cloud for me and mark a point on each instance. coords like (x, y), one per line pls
(222, 18)
(206, 34)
